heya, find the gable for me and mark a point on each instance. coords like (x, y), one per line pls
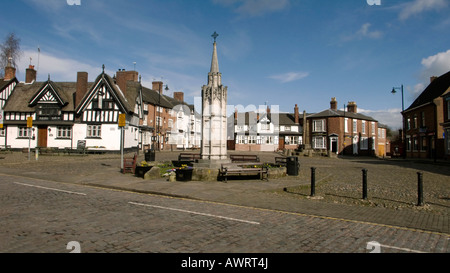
(47, 94)
(6, 88)
(102, 95)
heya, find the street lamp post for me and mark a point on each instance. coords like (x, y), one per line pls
(158, 124)
(394, 91)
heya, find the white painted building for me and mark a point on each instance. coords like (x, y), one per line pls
(67, 113)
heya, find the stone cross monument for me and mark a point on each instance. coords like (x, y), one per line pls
(214, 113)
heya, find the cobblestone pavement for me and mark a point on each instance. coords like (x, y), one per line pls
(392, 186)
(39, 216)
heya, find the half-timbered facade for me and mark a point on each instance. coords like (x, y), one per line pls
(266, 131)
(68, 114)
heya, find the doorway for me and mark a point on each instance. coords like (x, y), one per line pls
(42, 136)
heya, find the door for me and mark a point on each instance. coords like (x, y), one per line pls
(281, 143)
(355, 145)
(42, 136)
(334, 144)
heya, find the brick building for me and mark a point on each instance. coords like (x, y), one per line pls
(168, 123)
(424, 120)
(345, 132)
(65, 114)
(446, 125)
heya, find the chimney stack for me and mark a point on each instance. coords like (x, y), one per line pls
(30, 74)
(10, 71)
(179, 96)
(333, 104)
(82, 82)
(351, 107)
(157, 86)
(296, 115)
(433, 78)
(122, 77)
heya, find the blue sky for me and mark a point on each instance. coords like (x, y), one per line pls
(279, 52)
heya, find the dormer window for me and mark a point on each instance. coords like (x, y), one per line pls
(48, 112)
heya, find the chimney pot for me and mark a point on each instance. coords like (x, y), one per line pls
(10, 72)
(30, 74)
(333, 104)
(351, 107)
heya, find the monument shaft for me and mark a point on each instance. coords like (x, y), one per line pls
(214, 114)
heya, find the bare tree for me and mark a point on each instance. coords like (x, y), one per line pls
(9, 50)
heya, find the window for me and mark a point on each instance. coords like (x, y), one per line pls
(64, 132)
(364, 145)
(239, 139)
(158, 121)
(265, 126)
(355, 126)
(448, 109)
(94, 131)
(2, 132)
(346, 125)
(424, 144)
(408, 123)
(372, 126)
(48, 112)
(415, 144)
(422, 120)
(408, 143)
(95, 104)
(268, 140)
(252, 139)
(319, 143)
(108, 105)
(319, 125)
(447, 134)
(415, 121)
(287, 128)
(292, 140)
(363, 127)
(23, 132)
(170, 123)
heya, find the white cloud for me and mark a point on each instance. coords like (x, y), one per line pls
(255, 7)
(435, 65)
(390, 117)
(59, 68)
(419, 6)
(364, 32)
(290, 76)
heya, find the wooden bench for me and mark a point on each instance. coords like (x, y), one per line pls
(129, 164)
(281, 161)
(188, 157)
(244, 158)
(233, 170)
(5, 149)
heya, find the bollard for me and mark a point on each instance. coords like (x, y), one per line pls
(420, 189)
(364, 171)
(313, 181)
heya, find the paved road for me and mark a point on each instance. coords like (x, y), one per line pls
(44, 216)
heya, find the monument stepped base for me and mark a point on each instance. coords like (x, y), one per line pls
(207, 170)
